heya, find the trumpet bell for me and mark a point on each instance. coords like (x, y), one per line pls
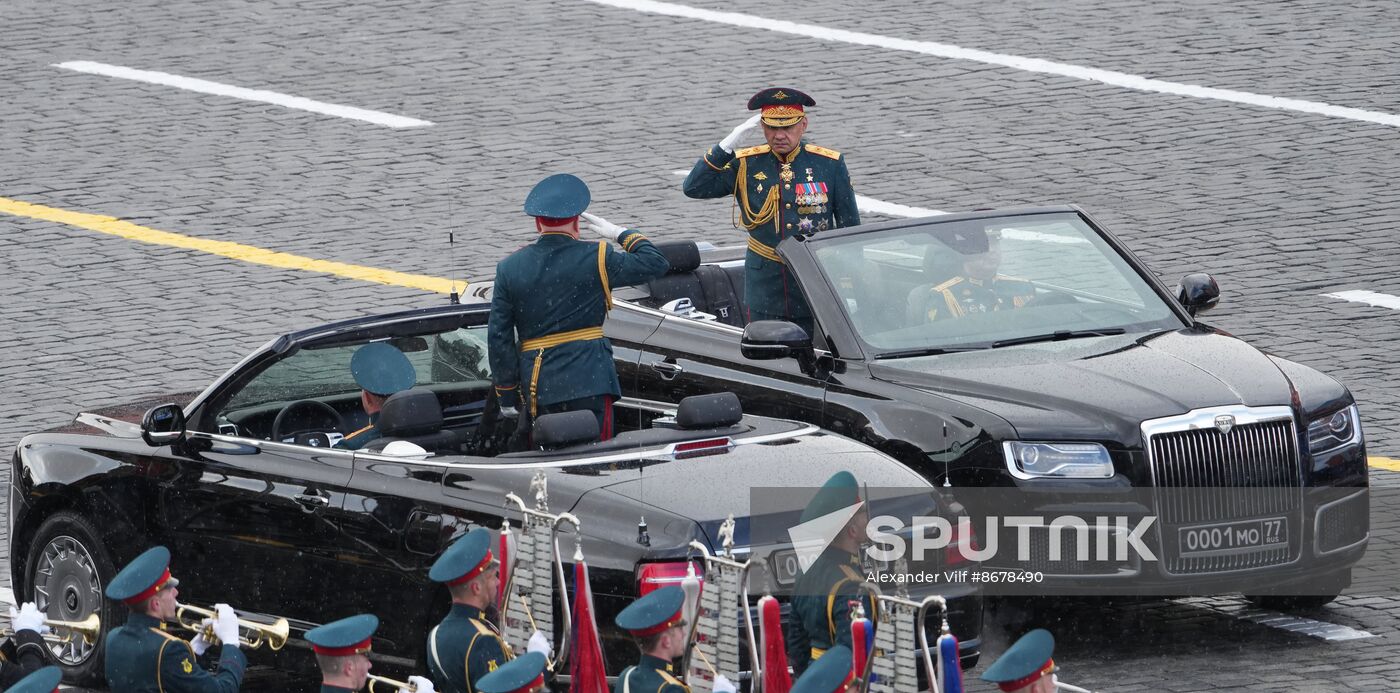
(394, 685)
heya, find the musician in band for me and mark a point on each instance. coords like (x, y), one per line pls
(548, 352)
(822, 596)
(143, 658)
(24, 652)
(657, 623)
(466, 646)
(524, 674)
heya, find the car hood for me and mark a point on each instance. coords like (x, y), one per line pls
(1098, 388)
(113, 420)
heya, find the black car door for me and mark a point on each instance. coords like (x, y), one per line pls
(690, 357)
(255, 523)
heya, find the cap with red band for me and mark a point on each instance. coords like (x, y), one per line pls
(654, 613)
(348, 636)
(781, 106)
(832, 672)
(142, 578)
(520, 675)
(40, 681)
(466, 559)
(1024, 663)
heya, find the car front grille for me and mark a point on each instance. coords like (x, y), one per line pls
(1206, 475)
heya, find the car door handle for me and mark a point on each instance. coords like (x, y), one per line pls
(667, 369)
(311, 501)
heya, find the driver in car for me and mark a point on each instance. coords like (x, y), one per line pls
(380, 370)
(976, 289)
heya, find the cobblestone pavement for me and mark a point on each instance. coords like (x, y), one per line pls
(1280, 206)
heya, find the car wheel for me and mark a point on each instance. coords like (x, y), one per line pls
(68, 569)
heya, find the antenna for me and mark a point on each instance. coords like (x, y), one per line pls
(452, 298)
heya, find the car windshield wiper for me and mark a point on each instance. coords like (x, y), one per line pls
(927, 351)
(1058, 335)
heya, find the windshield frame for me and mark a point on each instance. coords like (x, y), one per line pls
(811, 244)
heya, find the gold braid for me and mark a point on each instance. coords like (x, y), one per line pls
(751, 219)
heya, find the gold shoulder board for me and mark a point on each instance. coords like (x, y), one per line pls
(750, 151)
(823, 151)
(482, 628)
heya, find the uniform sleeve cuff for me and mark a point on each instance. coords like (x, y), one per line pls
(630, 238)
(717, 158)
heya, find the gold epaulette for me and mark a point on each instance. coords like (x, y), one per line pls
(948, 284)
(822, 151)
(482, 628)
(751, 151)
(669, 679)
(168, 636)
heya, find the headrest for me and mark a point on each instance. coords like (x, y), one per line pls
(552, 431)
(684, 256)
(412, 412)
(709, 411)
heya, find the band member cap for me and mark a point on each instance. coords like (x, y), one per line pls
(142, 577)
(345, 637)
(1024, 662)
(520, 675)
(465, 559)
(829, 674)
(838, 492)
(43, 680)
(653, 613)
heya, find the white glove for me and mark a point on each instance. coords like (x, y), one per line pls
(602, 226)
(540, 643)
(226, 625)
(418, 684)
(722, 684)
(727, 144)
(28, 618)
(510, 413)
(199, 643)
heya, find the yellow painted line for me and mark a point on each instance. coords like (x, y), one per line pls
(234, 251)
(1386, 463)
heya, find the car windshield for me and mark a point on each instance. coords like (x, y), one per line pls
(989, 282)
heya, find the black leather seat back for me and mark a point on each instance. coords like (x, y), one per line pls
(718, 410)
(413, 412)
(708, 287)
(554, 431)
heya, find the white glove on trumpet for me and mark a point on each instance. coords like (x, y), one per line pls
(28, 618)
(226, 625)
(418, 684)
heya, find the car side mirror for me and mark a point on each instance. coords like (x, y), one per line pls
(163, 425)
(765, 340)
(1199, 293)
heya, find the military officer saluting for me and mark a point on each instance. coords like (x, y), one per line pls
(822, 596)
(142, 657)
(43, 680)
(548, 352)
(380, 370)
(783, 188)
(465, 646)
(524, 674)
(833, 673)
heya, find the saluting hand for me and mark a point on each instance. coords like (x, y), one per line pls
(602, 226)
(727, 144)
(226, 625)
(418, 684)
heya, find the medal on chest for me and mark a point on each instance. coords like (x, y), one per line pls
(786, 174)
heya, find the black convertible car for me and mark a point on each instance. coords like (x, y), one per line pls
(1030, 351)
(241, 482)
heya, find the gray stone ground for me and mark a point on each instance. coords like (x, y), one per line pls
(1280, 206)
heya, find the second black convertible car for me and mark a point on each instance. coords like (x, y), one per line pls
(1030, 350)
(260, 512)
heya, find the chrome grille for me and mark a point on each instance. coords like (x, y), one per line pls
(1203, 475)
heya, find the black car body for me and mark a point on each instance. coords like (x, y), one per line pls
(280, 524)
(1104, 361)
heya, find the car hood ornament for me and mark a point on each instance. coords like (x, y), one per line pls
(1224, 423)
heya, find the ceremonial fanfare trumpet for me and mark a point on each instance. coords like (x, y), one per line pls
(88, 628)
(251, 634)
(410, 687)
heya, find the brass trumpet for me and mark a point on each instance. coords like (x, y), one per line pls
(390, 682)
(252, 634)
(88, 628)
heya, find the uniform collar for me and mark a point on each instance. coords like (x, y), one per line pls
(792, 155)
(555, 239)
(657, 663)
(327, 688)
(467, 611)
(138, 620)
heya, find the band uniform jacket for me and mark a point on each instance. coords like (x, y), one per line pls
(143, 658)
(462, 649)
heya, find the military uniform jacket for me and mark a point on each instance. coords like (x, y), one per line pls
(821, 605)
(961, 296)
(462, 649)
(550, 288)
(812, 195)
(362, 437)
(23, 654)
(143, 658)
(651, 675)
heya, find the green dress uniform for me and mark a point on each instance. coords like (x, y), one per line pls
(549, 302)
(829, 675)
(381, 369)
(650, 675)
(463, 648)
(807, 191)
(143, 658)
(347, 637)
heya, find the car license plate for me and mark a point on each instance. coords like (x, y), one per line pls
(1247, 536)
(785, 566)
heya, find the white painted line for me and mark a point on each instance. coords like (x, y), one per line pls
(1369, 298)
(272, 97)
(870, 205)
(1015, 62)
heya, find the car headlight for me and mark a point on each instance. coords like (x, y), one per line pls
(1058, 460)
(1336, 430)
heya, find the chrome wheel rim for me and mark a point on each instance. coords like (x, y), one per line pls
(68, 588)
